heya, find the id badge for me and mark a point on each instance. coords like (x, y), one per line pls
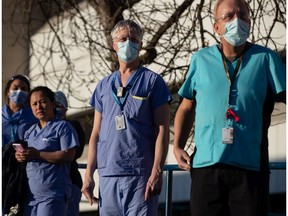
(227, 135)
(120, 91)
(120, 122)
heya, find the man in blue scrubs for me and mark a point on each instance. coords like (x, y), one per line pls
(226, 87)
(130, 136)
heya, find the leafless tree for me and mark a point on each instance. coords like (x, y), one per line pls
(70, 42)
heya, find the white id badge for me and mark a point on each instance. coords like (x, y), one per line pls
(120, 91)
(227, 135)
(120, 122)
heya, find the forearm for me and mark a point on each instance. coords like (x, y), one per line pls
(57, 156)
(92, 157)
(161, 149)
(89, 183)
(183, 124)
(92, 150)
(162, 123)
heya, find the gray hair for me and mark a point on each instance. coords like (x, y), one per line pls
(218, 2)
(127, 24)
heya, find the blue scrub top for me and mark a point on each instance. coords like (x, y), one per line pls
(129, 151)
(14, 125)
(207, 83)
(47, 180)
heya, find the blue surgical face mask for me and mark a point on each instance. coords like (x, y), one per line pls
(128, 51)
(18, 97)
(237, 32)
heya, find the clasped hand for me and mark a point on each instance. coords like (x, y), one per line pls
(28, 154)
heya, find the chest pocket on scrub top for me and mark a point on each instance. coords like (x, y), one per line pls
(138, 108)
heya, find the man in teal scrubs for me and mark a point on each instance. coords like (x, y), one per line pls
(227, 86)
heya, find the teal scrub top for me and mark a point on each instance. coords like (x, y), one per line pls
(207, 83)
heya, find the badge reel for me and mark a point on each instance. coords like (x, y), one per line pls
(228, 131)
(120, 91)
(120, 122)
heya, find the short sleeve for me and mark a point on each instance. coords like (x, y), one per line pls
(161, 94)
(188, 87)
(277, 75)
(95, 100)
(68, 136)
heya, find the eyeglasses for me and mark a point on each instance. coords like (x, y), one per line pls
(243, 15)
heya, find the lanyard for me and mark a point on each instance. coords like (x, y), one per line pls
(230, 114)
(13, 126)
(231, 80)
(127, 88)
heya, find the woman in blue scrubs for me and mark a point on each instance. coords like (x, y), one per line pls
(51, 148)
(17, 116)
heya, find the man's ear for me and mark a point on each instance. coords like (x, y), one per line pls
(216, 27)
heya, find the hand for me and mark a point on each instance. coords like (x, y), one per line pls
(28, 154)
(87, 190)
(154, 184)
(183, 159)
(19, 156)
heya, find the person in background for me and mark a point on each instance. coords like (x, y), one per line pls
(17, 116)
(227, 85)
(51, 149)
(130, 135)
(61, 109)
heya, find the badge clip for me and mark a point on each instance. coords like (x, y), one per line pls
(120, 91)
(231, 115)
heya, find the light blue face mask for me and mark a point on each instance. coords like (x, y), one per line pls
(128, 51)
(18, 97)
(237, 32)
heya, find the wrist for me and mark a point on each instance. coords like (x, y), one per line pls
(158, 171)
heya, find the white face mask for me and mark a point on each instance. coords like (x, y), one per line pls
(237, 32)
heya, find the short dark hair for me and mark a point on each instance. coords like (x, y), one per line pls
(45, 90)
(17, 77)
